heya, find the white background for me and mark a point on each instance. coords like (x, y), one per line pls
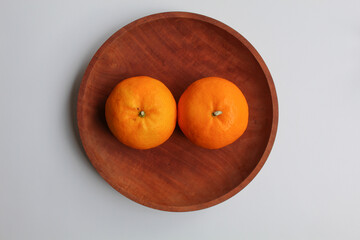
(308, 189)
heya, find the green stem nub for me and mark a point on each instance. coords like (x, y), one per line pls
(142, 114)
(217, 113)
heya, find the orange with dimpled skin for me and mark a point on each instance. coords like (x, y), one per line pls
(213, 112)
(141, 112)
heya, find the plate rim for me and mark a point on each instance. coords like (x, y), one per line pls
(253, 51)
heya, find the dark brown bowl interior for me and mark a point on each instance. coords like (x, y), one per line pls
(177, 48)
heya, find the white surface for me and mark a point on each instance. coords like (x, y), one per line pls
(308, 189)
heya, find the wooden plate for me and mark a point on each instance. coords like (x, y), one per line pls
(177, 48)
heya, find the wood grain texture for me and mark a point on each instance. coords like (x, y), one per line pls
(178, 48)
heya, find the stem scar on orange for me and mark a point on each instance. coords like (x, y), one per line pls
(213, 112)
(141, 112)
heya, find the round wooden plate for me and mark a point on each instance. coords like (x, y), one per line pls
(177, 48)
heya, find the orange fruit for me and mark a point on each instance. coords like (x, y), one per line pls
(213, 112)
(141, 112)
